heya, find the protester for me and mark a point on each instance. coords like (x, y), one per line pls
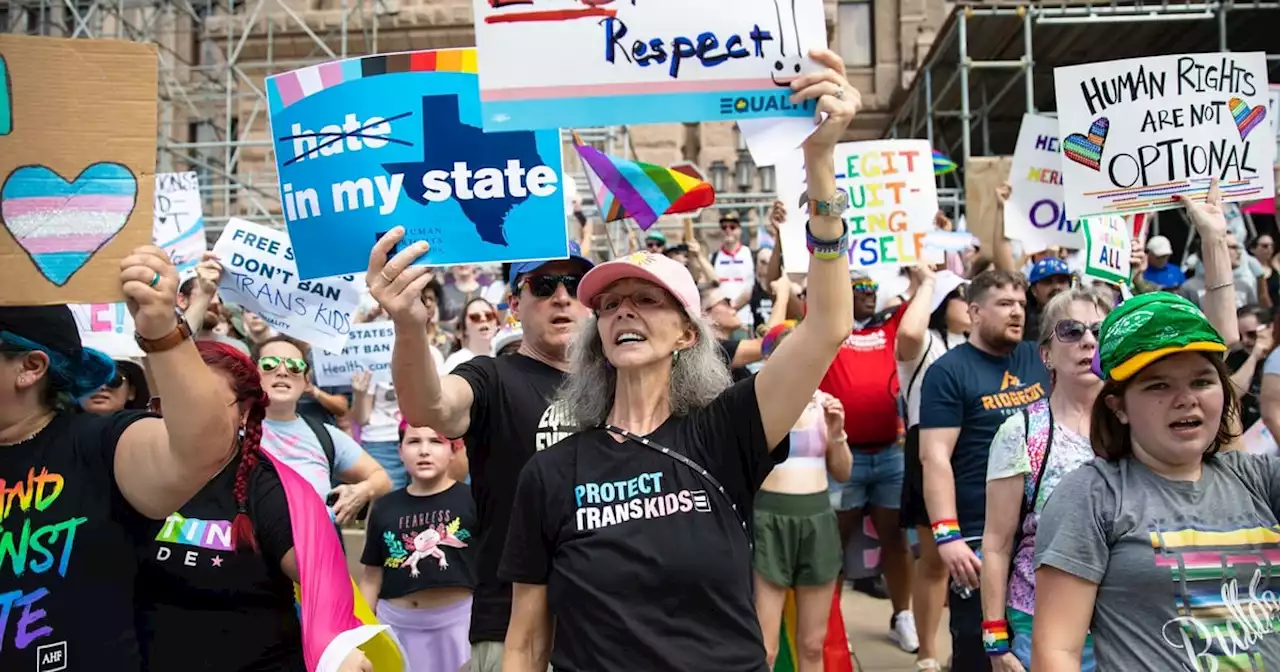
(935, 322)
(295, 441)
(1048, 277)
(1242, 281)
(1245, 360)
(966, 395)
(1264, 250)
(655, 241)
(376, 410)
(479, 324)
(733, 264)
(464, 288)
(673, 546)
(500, 406)
(1159, 271)
(198, 297)
(439, 337)
(256, 329)
(1030, 453)
(105, 481)
(507, 341)
(729, 330)
(797, 537)
(419, 560)
(126, 391)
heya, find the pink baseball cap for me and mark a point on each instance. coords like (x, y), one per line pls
(658, 269)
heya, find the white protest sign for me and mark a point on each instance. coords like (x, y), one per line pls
(1108, 242)
(571, 63)
(259, 274)
(179, 220)
(1258, 440)
(1035, 214)
(892, 202)
(1273, 108)
(107, 327)
(368, 348)
(1137, 132)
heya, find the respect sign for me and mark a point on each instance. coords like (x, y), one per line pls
(367, 143)
(259, 273)
(1138, 132)
(368, 348)
(1035, 214)
(563, 63)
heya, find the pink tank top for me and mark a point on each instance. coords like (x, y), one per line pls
(808, 438)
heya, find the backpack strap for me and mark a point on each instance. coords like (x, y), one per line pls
(325, 439)
(915, 375)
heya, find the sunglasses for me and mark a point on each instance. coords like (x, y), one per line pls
(544, 286)
(729, 227)
(653, 244)
(295, 366)
(481, 318)
(115, 382)
(866, 287)
(1071, 331)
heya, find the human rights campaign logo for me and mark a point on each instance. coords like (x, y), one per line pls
(392, 145)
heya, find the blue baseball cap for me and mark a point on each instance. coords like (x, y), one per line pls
(1047, 268)
(519, 269)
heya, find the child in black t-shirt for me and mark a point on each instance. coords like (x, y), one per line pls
(419, 559)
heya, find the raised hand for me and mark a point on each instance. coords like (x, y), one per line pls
(1208, 217)
(833, 415)
(1003, 192)
(777, 215)
(208, 274)
(360, 381)
(149, 281)
(835, 97)
(395, 284)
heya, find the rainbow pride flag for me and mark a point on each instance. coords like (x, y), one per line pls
(835, 649)
(642, 191)
(941, 164)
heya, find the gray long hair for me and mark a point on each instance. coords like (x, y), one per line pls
(698, 376)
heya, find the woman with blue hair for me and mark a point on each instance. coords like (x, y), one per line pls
(78, 491)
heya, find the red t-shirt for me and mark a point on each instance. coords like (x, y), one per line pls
(864, 377)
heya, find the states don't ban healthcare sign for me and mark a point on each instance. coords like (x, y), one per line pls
(366, 144)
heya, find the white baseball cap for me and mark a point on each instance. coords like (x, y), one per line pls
(1159, 246)
(944, 283)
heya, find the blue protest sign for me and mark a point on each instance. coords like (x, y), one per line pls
(367, 144)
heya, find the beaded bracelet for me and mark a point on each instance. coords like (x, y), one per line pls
(827, 249)
(946, 531)
(995, 637)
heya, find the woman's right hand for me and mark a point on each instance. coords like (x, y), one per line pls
(396, 284)
(360, 381)
(1007, 663)
(1208, 217)
(964, 566)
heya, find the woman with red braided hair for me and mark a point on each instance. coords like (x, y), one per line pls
(216, 588)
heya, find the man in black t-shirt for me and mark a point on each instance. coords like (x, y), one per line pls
(501, 407)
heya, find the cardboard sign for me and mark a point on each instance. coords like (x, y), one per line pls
(1035, 214)
(1135, 133)
(107, 327)
(366, 144)
(1108, 243)
(892, 202)
(258, 273)
(562, 63)
(368, 348)
(77, 156)
(179, 220)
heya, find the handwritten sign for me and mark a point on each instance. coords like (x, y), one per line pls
(368, 348)
(562, 63)
(892, 201)
(1035, 214)
(1109, 240)
(260, 275)
(106, 327)
(365, 144)
(179, 220)
(77, 156)
(1135, 133)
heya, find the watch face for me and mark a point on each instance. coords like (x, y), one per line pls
(840, 201)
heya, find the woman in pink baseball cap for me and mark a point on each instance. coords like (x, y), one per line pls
(632, 535)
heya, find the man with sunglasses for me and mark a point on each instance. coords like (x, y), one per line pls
(733, 263)
(655, 241)
(500, 406)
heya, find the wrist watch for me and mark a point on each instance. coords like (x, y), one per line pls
(829, 208)
(169, 341)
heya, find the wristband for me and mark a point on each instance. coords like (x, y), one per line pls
(827, 249)
(946, 531)
(995, 637)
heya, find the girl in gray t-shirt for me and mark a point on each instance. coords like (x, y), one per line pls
(1165, 547)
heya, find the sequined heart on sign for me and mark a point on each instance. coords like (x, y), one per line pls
(61, 224)
(1247, 118)
(1087, 150)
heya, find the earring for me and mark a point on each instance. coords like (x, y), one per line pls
(675, 357)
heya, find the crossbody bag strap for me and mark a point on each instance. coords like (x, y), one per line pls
(1044, 460)
(697, 469)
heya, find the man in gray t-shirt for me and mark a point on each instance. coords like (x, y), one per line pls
(1184, 569)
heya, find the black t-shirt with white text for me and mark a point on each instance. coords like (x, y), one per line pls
(761, 303)
(511, 419)
(646, 565)
(67, 540)
(422, 542)
(238, 604)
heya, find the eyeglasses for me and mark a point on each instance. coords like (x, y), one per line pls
(645, 298)
(293, 365)
(544, 286)
(864, 287)
(115, 382)
(481, 318)
(1071, 331)
(729, 227)
(653, 244)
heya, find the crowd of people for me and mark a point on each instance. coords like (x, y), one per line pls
(579, 464)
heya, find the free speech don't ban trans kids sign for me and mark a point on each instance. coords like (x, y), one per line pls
(366, 144)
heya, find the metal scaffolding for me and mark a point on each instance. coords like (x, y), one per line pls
(969, 83)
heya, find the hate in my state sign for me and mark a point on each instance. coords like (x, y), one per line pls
(1138, 132)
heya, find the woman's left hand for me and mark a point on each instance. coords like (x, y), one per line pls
(836, 99)
(833, 414)
(1208, 217)
(356, 661)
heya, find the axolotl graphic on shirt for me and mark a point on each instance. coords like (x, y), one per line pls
(638, 498)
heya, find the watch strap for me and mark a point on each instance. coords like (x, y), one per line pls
(171, 340)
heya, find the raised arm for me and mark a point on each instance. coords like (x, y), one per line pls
(914, 326)
(208, 273)
(785, 387)
(1001, 250)
(777, 215)
(425, 399)
(160, 464)
(1219, 302)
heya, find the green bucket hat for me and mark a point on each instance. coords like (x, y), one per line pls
(1149, 327)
